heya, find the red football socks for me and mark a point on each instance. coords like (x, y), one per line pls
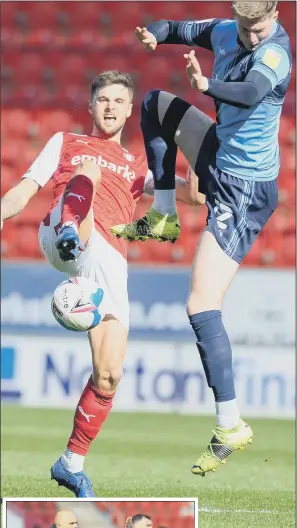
(77, 199)
(91, 413)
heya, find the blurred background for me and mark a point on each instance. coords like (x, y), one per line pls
(51, 51)
(111, 514)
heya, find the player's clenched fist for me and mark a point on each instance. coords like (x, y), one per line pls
(147, 39)
(194, 72)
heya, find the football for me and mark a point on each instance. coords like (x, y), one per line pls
(77, 304)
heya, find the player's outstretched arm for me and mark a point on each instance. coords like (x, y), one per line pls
(147, 39)
(270, 68)
(15, 200)
(190, 33)
(36, 177)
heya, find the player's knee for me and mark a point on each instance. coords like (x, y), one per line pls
(200, 301)
(90, 169)
(106, 378)
(150, 102)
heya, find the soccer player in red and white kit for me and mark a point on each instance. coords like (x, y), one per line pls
(97, 184)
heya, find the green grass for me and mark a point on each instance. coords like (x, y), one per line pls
(150, 455)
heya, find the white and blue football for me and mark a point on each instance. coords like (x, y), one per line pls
(77, 304)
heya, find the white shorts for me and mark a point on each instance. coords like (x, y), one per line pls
(98, 261)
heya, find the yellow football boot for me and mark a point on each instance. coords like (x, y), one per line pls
(153, 226)
(222, 444)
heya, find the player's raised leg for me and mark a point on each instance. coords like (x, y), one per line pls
(168, 122)
(76, 214)
(108, 343)
(212, 274)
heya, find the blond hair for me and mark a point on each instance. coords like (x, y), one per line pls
(254, 10)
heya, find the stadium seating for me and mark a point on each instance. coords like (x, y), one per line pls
(166, 514)
(42, 512)
(51, 53)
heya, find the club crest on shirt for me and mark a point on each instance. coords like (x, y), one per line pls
(271, 58)
(66, 156)
(128, 156)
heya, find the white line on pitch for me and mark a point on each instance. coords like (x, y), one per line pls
(215, 510)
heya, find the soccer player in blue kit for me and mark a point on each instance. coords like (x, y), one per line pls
(236, 161)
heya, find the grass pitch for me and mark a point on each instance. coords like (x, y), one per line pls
(150, 455)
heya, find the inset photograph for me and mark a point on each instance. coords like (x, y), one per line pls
(165, 513)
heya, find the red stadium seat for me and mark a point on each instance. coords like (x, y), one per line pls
(57, 121)
(282, 221)
(159, 252)
(9, 178)
(160, 10)
(88, 37)
(34, 212)
(287, 132)
(25, 243)
(72, 69)
(193, 219)
(289, 250)
(45, 511)
(85, 14)
(31, 62)
(17, 123)
(41, 37)
(175, 514)
(44, 15)
(253, 258)
(7, 240)
(12, 38)
(9, 13)
(156, 72)
(10, 152)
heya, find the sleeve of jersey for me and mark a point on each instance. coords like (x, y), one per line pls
(47, 161)
(241, 94)
(191, 33)
(272, 61)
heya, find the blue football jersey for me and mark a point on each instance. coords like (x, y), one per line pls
(248, 137)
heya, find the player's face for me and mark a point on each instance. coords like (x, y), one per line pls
(66, 520)
(110, 108)
(251, 35)
(144, 523)
(70, 524)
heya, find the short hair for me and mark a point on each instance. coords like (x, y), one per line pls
(254, 10)
(138, 517)
(109, 77)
